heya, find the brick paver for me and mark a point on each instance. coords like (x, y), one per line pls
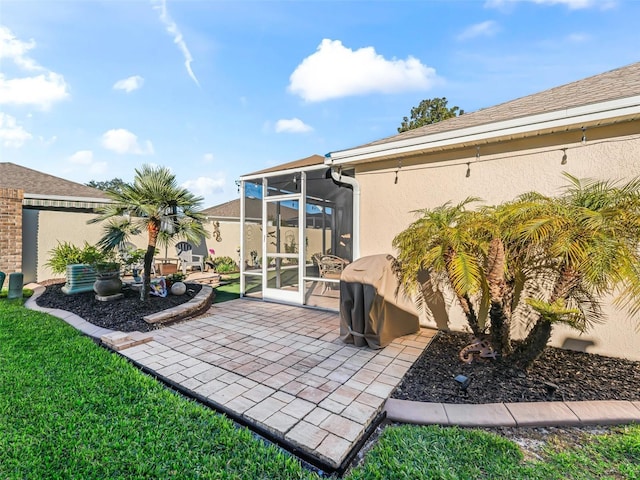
(294, 378)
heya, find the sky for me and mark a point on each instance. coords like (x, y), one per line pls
(91, 90)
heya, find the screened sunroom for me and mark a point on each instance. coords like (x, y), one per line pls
(297, 233)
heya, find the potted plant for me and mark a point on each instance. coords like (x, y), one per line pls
(174, 278)
(108, 280)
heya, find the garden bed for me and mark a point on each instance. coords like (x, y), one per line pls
(124, 315)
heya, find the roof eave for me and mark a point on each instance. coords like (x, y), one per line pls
(586, 114)
(66, 198)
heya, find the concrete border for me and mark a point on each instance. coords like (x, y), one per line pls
(524, 414)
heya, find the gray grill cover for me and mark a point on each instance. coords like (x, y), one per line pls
(370, 312)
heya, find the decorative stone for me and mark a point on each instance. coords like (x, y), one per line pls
(178, 288)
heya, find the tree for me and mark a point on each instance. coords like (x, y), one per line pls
(542, 259)
(153, 202)
(113, 184)
(442, 241)
(430, 110)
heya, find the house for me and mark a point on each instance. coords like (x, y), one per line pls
(589, 128)
(36, 211)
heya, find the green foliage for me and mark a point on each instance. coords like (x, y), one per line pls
(71, 409)
(68, 254)
(224, 265)
(430, 110)
(154, 203)
(113, 184)
(175, 277)
(539, 259)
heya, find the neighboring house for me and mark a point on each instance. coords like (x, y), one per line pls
(37, 211)
(589, 128)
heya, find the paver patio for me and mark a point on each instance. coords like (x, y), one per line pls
(284, 369)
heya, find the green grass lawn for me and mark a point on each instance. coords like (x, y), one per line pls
(71, 409)
(229, 291)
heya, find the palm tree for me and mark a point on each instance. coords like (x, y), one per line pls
(589, 242)
(444, 243)
(153, 202)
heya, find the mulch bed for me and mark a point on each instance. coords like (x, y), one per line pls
(124, 315)
(577, 375)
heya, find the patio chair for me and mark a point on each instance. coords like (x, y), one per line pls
(184, 252)
(331, 268)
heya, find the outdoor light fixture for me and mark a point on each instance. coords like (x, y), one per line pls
(564, 157)
(584, 135)
(463, 382)
(468, 170)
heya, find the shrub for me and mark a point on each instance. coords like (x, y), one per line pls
(68, 254)
(224, 265)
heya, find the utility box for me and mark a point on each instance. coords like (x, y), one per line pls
(80, 278)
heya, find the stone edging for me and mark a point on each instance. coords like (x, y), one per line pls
(202, 299)
(524, 414)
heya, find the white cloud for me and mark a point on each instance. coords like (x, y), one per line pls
(122, 141)
(484, 29)
(47, 142)
(11, 134)
(294, 125)
(15, 49)
(204, 186)
(129, 84)
(571, 4)
(207, 158)
(578, 37)
(41, 90)
(172, 28)
(335, 71)
(84, 158)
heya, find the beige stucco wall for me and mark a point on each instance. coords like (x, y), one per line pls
(501, 172)
(53, 227)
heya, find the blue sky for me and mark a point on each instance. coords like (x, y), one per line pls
(90, 90)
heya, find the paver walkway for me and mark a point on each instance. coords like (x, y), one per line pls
(284, 369)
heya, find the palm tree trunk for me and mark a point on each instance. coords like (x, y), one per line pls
(470, 313)
(153, 230)
(500, 321)
(536, 341)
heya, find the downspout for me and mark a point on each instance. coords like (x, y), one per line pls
(355, 243)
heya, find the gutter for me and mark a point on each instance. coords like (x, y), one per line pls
(588, 114)
(355, 241)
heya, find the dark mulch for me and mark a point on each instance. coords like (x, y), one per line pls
(577, 375)
(124, 315)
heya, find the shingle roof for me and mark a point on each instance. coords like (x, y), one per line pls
(304, 162)
(622, 82)
(253, 209)
(38, 183)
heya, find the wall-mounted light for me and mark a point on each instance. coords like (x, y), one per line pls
(468, 170)
(564, 157)
(397, 170)
(584, 135)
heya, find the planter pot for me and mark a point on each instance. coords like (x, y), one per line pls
(107, 284)
(167, 268)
